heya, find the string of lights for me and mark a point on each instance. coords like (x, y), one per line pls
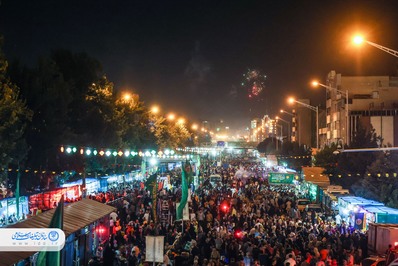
(167, 153)
(71, 172)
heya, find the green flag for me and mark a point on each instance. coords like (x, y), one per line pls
(143, 168)
(151, 182)
(186, 172)
(152, 185)
(53, 258)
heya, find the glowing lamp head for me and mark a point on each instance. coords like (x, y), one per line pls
(127, 96)
(171, 117)
(153, 161)
(358, 40)
(315, 83)
(291, 100)
(155, 109)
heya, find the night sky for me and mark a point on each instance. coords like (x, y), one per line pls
(190, 56)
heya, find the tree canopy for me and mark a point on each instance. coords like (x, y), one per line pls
(66, 99)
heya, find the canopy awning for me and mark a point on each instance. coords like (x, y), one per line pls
(381, 209)
(359, 201)
(76, 216)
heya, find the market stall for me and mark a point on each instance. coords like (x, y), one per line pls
(92, 184)
(313, 182)
(380, 214)
(49, 199)
(353, 210)
(8, 210)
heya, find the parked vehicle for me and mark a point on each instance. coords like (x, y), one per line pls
(302, 203)
(374, 261)
(215, 180)
(382, 235)
(316, 208)
(380, 261)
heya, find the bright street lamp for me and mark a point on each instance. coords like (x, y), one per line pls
(155, 109)
(181, 121)
(345, 95)
(194, 127)
(127, 96)
(358, 40)
(171, 117)
(313, 108)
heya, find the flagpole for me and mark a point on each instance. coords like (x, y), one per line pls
(17, 191)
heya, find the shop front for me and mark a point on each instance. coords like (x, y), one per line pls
(8, 210)
(313, 184)
(353, 211)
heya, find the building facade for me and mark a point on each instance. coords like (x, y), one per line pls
(372, 102)
(303, 124)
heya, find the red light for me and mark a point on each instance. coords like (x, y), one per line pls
(100, 230)
(238, 234)
(396, 244)
(224, 207)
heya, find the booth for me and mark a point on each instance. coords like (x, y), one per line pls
(380, 214)
(85, 224)
(49, 199)
(92, 184)
(353, 210)
(8, 210)
(314, 181)
(330, 197)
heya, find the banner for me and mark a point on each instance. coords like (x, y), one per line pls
(359, 220)
(280, 178)
(185, 212)
(185, 175)
(154, 248)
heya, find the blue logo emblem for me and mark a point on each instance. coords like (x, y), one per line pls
(53, 236)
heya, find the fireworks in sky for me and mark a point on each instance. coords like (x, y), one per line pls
(254, 82)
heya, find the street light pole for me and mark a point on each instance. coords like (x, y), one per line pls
(317, 128)
(315, 83)
(359, 40)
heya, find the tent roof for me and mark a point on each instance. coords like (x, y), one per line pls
(360, 201)
(381, 209)
(76, 216)
(315, 175)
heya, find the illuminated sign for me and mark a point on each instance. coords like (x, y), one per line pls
(280, 178)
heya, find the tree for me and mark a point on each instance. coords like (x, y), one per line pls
(133, 124)
(48, 95)
(268, 145)
(351, 166)
(380, 181)
(294, 155)
(14, 116)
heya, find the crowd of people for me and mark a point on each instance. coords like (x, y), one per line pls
(241, 221)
